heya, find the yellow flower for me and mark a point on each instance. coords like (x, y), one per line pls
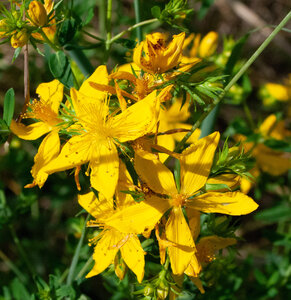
(202, 48)
(101, 131)
(20, 38)
(279, 91)
(173, 119)
(153, 56)
(110, 240)
(195, 164)
(206, 248)
(50, 29)
(45, 110)
(37, 13)
(269, 160)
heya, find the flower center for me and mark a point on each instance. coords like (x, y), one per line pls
(179, 200)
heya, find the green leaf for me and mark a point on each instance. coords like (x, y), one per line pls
(274, 214)
(278, 145)
(8, 110)
(156, 12)
(205, 5)
(16, 54)
(261, 278)
(60, 68)
(235, 55)
(67, 31)
(4, 131)
(66, 291)
(215, 187)
(19, 291)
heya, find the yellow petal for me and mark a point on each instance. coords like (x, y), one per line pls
(100, 208)
(194, 222)
(100, 76)
(278, 91)
(51, 93)
(133, 255)
(47, 151)
(105, 251)
(138, 120)
(30, 132)
(271, 161)
(196, 162)
(197, 282)
(77, 151)
(156, 175)
(104, 170)
(231, 203)
(141, 216)
(194, 267)
(124, 184)
(177, 231)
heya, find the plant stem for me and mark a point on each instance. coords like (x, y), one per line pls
(102, 19)
(11, 265)
(21, 251)
(85, 267)
(136, 5)
(108, 30)
(77, 254)
(236, 77)
(129, 29)
(248, 114)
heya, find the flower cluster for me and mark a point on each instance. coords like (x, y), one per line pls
(123, 126)
(19, 25)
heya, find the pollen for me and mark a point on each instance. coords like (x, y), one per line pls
(179, 200)
(42, 111)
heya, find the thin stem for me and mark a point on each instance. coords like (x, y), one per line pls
(85, 267)
(77, 254)
(129, 29)
(11, 265)
(102, 19)
(108, 28)
(233, 81)
(248, 114)
(22, 251)
(136, 5)
(26, 79)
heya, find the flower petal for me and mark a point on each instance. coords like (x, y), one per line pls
(47, 151)
(138, 120)
(231, 203)
(133, 255)
(105, 170)
(105, 251)
(51, 93)
(100, 208)
(196, 162)
(30, 132)
(100, 76)
(178, 232)
(156, 175)
(139, 217)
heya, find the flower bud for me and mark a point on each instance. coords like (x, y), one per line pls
(37, 13)
(208, 44)
(3, 28)
(19, 39)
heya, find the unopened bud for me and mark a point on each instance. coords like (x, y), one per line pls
(37, 13)
(3, 28)
(19, 39)
(208, 44)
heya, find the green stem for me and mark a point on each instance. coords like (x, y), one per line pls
(85, 267)
(77, 254)
(108, 30)
(102, 19)
(11, 265)
(48, 41)
(22, 251)
(129, 29)
(234, 80)
(248, 114)
(136, 4)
